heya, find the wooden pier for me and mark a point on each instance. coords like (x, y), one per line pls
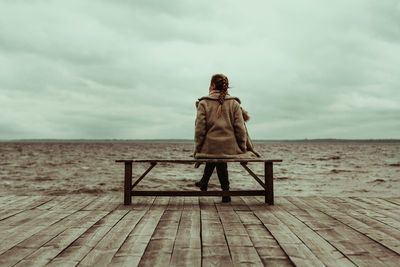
(89, 230)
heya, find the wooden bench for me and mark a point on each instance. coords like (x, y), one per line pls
(268, 185)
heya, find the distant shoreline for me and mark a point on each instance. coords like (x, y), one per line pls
(326, 140)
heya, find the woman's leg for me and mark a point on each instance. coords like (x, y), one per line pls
(208, 170)
(222, 171)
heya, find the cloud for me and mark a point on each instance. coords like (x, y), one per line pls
(133, 69)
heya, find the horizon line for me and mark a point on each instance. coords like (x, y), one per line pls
(192, 140)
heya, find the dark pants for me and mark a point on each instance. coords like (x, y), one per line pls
(222, 171)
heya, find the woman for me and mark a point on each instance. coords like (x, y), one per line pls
(220, 131)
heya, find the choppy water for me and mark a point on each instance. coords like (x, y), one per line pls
(367, 169)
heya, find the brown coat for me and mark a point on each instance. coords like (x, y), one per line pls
(223, 137)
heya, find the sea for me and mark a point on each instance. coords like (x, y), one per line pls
(327, 167)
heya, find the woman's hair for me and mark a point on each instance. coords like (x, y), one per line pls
(221, 83)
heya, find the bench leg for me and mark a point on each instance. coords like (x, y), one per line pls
(269, 182)
(128, 184)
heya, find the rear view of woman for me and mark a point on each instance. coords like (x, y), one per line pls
(220, 131)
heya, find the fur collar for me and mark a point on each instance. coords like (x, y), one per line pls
(214, 94)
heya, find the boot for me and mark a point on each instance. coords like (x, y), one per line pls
(201, 186)
(226, 199)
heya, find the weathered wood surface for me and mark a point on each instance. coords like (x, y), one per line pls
(199, 231)
(190, 161)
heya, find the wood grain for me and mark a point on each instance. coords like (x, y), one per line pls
(198, 231)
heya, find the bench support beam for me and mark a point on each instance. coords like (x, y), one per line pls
(152, 164)
(198, 193)
(244, 165)
(269, 182)
(128, 183)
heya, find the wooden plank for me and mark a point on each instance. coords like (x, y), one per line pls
(379, 232)
(131, 255)
(208, 210)
(214, 245)
(384, 216)
(222, 207)
(53, 202)
(374, 204)
(16, 201)
(112, 203)
(175, 203)
(226, 213)
(212, 234)
(160, 247)
(239, 243)
(393, 200)
(79, 249)
(387, 217)
(148, 224)
(138, 203)
(242, 255)
(238, 204)
(30, 202)
(5, 200)
(14, 255)
(160, 203)
(132, 250)
(192, 203)
(73, 202)
(235, 232)
(247, 217)
(216, 256)
(76, 220)
(269, 251)
(81, 246)
(357, 247)
(80, 202)
(381, 204)
(30, 225)
(104, 251)
(45, 253)
(187, 246)
(6, 213)
(298, 253)
(37, 241)
(377, 221)
(105, 203)
(72, 199)
(322, 249)
(19, 219)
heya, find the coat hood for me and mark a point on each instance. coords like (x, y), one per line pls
(214, 94)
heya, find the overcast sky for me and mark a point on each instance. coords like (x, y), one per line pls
(133, 69)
